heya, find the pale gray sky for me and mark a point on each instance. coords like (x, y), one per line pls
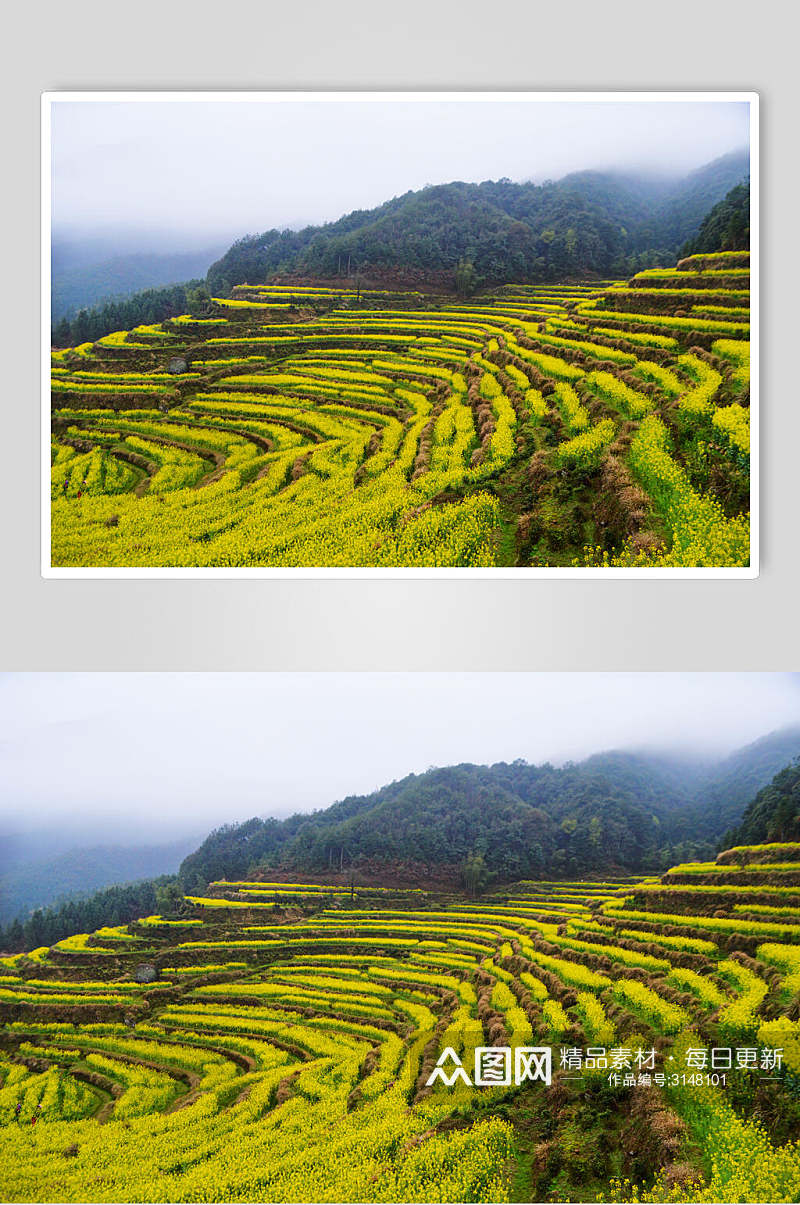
(166, 754)
(199, 168)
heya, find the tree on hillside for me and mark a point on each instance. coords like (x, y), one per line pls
(474, 873)
(466, 278)
(198, 301)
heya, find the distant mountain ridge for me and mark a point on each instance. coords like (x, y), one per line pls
(80, 282)
(774, 814)
(79, 873)
(725, 792)
(615, 811)
(589, 222)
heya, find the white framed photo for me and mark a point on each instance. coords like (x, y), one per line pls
(414, 334)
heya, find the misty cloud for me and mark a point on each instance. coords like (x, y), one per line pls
(226, 168)
(159, 755)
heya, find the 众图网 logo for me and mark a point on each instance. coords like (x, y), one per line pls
(494, 1066)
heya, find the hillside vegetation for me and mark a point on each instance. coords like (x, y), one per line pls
(276, 1042)
(726, 789)
(727, 226)
(613, 812)
(589, 222)
(585, 225)
(148, 306)
(774, 814)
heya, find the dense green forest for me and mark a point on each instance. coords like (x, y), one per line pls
(727, 226)
(590, 222)
(114, 906)
(774, 814)
(145, 307)
(525, 821)
(613, 811)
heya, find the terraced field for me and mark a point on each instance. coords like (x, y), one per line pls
(553, 425)
(276, 1042)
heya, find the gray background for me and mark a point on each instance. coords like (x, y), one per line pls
(401, 624)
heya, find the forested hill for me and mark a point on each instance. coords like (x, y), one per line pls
(727, 226)
(616, 811)
(725, 792)
(590, 222)
(774, 814)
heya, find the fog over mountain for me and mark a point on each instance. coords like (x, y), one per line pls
(225, 167)
(110, 778)
(90, 270)
(104, 754)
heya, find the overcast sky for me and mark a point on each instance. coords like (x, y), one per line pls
(208, 169)
(159, 755)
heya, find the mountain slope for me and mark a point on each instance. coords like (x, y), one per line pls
(683, 211)
(81, 285)
(731, 785)
(774, 814)
(727, 226)
(80, 872)
(613, 811)
(588, 222)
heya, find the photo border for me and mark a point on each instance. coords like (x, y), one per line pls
(50, 98)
